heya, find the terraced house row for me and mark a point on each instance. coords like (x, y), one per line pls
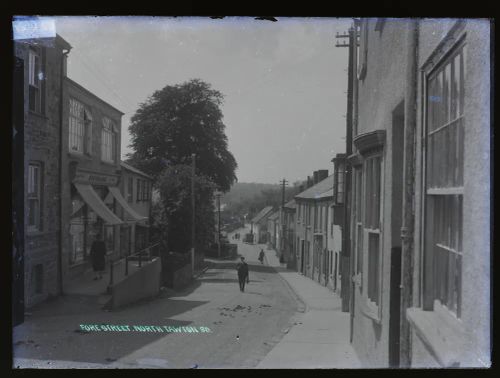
(419, 192)
(401, 229)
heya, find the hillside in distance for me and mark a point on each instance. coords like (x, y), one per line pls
(244, 191)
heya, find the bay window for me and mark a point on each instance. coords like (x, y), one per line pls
(372, 189)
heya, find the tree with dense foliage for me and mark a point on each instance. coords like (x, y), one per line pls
(173, 215)
(177, 121)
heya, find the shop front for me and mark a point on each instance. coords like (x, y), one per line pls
(93, 213)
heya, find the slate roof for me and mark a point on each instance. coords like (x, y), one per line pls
(322, 189)
(274, 215)
(291, 204)
(265, 211)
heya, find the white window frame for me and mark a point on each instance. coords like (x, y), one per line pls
(443, 190)
(109, 143)
(79, 128)
(358, 225)
(373, 309)
(35, 77)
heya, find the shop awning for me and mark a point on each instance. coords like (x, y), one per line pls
(116, 193)
(92, 199)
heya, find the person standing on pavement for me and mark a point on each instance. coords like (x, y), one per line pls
(97, 253)
(243, 276)
(261, 256)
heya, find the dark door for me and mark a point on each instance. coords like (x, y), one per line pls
(394, 307)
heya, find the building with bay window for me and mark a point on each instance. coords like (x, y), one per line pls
(92, 200)
(420, 198)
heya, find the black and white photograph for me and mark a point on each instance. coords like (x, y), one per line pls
(251, 192)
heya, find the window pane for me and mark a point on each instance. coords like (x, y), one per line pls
(359, 248)
(439, 100)
(373, 267)
(447, 93)
(455, 86)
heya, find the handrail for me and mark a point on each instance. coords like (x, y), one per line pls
(139, 253)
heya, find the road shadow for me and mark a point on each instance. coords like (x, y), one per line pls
(60, 337)
(219, 280)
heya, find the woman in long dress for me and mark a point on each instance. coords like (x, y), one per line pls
(97, 253)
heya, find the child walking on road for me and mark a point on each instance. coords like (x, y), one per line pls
(261, 256)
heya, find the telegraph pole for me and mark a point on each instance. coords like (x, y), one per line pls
(283, 183)
(193, 162)
(218, 194)
(347, 286)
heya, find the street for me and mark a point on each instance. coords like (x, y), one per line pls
(244, 326)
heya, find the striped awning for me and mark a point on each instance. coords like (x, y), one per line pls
(92, 199)
(115, 192)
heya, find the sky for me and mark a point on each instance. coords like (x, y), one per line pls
(284, 83)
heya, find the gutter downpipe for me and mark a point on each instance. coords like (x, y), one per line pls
(407, 229)
(61, 123)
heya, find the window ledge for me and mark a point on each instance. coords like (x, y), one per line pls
(443, 334)
(34, 233)
(79, 155)
(107, 162)
(37, 114)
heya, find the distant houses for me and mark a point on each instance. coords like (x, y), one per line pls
(401, 229)
(259, 225)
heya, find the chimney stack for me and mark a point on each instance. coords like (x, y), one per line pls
(322, 174)
(309, 182)
(315, 175)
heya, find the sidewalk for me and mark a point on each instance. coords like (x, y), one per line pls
(320, 336)
(86, 285)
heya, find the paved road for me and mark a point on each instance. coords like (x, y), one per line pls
(243, 326)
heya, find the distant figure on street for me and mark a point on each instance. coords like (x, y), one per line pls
(97, 253)
(243, 277)
(261, 256)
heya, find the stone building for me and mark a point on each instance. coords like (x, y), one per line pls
(420, 161)
(287, 244)
(313, 260)
(44, 64)
(91, 173)
(335, 233)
